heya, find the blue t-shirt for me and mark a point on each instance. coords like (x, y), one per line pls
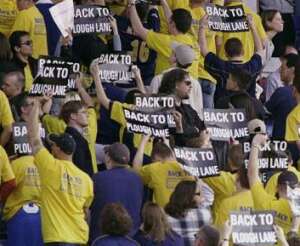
(119, 184)
(280, 105)
(220, 70)
(171, 240)
(107, 240)
(142, 55)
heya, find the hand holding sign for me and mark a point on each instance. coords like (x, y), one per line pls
(280, 235)
(113, 23)
(178, 121)
(259, 140)
(203, 23)
(94, 68)
(250, 21)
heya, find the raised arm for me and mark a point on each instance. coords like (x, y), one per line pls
(101, 95)
(33, 128)
(257, 40)
(167, 10)
(85, 97)
(201, 36)
(138, 78)
(253, 171)
(138, 158)
(136, 23)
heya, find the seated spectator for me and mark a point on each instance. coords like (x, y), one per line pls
(282, 101)
(115, 224)
(117, 184)
(163, 174)
(29, 19)
(185, 214)
(155, 229)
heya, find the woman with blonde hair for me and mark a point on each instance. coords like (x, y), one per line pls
(155, 230)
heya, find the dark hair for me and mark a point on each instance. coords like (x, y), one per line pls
(296, 82)
(291, 60)
(209, 235)
(294, 241)
(242, 177)
(5, 51)
(268, 16)
(242, 101)
(162, 150)
(15, 39)
(169, 80)
(130, 96)
(155, 223)
(233, 47)
(142, 8)
(182, 19)
(242, 78)
(71, 107)
(182, 199)
(115, 220)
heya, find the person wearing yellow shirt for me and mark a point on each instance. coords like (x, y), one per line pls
(6, 119)
(22, 207)
(180, 21)
(21, 45)
(163, 174)
(262, 200)
(245, 37)
(66, 191)
(8, 13)
(29, 19)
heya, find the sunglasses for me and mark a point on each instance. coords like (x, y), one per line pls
(28, 42)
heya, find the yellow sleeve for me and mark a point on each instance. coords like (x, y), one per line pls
(117, 113)
(6, 117)
(6, 170)
(45, 162)
(223, 185)
(259, 27)
(222, 213)
(21, 23)
(92, 129)
(90, 195)
(53, 124)
(159, 42)
(262, 200)
(146, 174)
(271, 187)
(291, 133)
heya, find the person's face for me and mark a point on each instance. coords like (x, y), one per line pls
(11, 86)
(81, 117)
(26, 109)
(172, 27)
(231, 85)
(286, 73)
(26, 46)
(183, 88)
(277, 23)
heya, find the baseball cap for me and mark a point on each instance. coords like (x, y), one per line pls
(256, 126)
(64, 141)
(118, 152)
(288, 177)
(184, 54)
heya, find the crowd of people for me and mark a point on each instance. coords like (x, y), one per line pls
(86, 179)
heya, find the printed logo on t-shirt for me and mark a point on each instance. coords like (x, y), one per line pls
(39, 26)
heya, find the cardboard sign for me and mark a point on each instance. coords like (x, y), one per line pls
(91, 19)
(154, 102)
(227, 19)
(20, 138)
(198, 162)
(224, 124)
(115, 68)
(156, 124)
(55, 74)
(266, 162)
(253, 228)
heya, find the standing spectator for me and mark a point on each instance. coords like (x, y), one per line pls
(184, 211)
(6, 119)
(53, 33)
(21, 46)
(156, 229)
(282, 102)
(8, 13)
(66, 191)
(118, 184)
(30, 20)
(115, 224)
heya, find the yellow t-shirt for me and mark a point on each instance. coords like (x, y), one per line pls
(271, 186)
(223, 187)
(65, 192)
(291, 126)
(263, 201)
(117, 115)
(163, 177)
(28, 186)
(245, 37)
(161, 43)
(6, 117)
(6, 171)
(8, 13)
(28, 78)
(31, 20)
(55, 125)
(241, 201)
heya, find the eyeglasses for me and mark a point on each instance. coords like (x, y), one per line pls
(187, 82)
(28, 42)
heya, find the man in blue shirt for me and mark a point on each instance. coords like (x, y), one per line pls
(117, 184)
